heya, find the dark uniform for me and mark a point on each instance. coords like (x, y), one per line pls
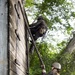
(38, 29)
(55, 69)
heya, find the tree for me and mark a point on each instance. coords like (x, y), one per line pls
(55, 12)
(58, 15)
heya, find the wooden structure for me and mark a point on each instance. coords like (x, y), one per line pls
(70, 48)
(13, 38)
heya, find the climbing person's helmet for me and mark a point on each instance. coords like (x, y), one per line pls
(56, 65)
(40, 18)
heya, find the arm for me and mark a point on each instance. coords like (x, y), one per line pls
(43, 70)
(36, 25)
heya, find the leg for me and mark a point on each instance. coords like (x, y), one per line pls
(31, 50)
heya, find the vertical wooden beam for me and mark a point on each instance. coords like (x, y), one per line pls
(17, 42)
(3, 37)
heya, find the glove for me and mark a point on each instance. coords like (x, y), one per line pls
(43, 69)
(43, 66)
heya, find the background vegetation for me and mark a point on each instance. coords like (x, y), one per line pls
(60, 18)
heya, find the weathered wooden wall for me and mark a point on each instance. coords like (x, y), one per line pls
(3, 37)
(17, 44)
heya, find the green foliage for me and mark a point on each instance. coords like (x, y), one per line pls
(54, 12)
(67, 60)
(73, 14)
(47, 56)
(69, 28)
(29, 3)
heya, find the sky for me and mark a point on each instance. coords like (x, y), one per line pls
(54, 36)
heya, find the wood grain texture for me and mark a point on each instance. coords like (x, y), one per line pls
(17, 44)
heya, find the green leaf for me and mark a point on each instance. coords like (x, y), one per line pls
(29, 3)
(73, 14)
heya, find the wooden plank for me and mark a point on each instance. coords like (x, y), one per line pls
(12, 35)
(17, 47)
(12, 12)
(13, 73)
(12, 58)
(14, 67)
(13, 43)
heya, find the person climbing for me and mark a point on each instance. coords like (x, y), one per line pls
(56, 67)
(38, 29)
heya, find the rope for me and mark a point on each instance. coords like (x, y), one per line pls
(27, 26)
